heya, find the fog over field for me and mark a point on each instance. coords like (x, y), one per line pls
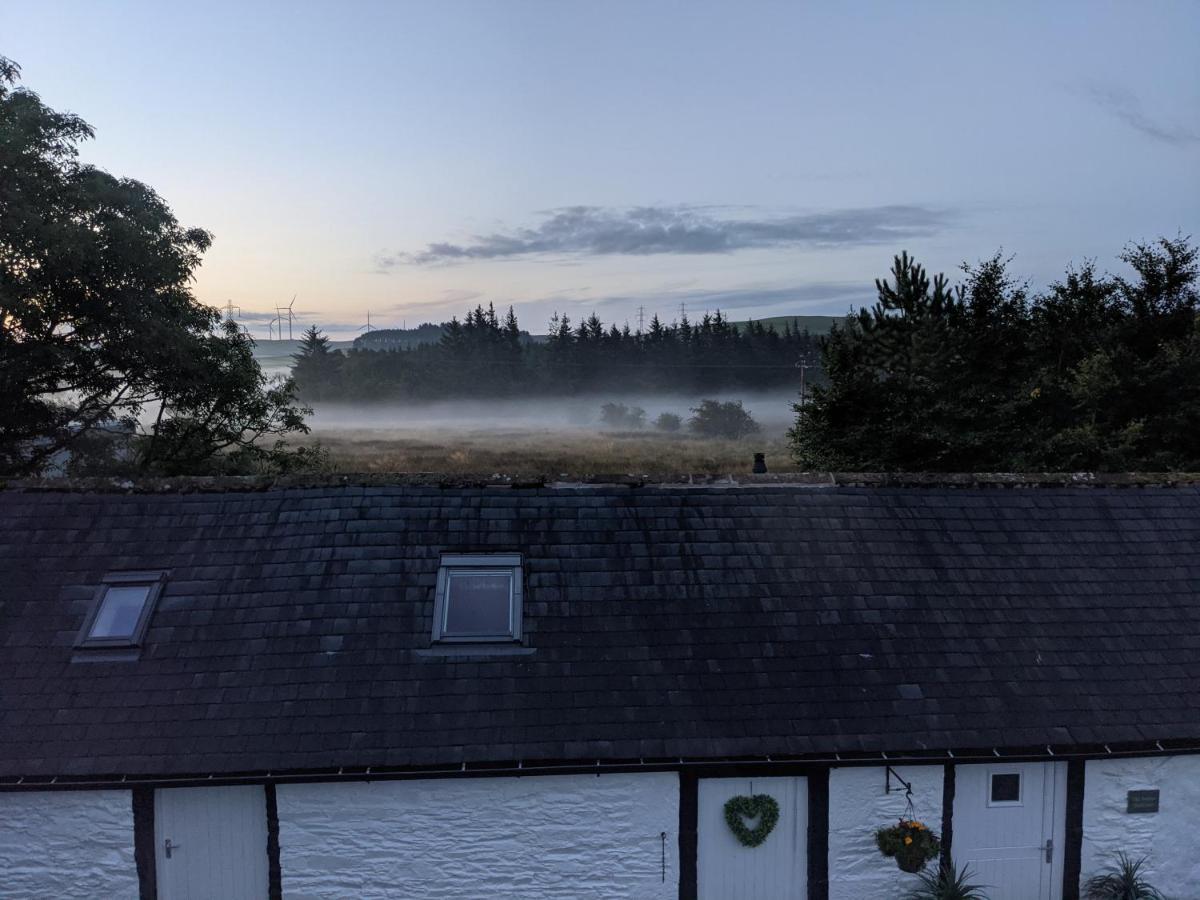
(773, 411)
(543, 436)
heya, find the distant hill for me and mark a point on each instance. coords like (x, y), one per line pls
(399, 338)
(811, 324)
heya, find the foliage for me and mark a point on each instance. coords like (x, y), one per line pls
(910, 842)
(98, 326)
(947, 883)
(713, 418)
(668, 422)
(763, 807)
(1121, 881)
(1099, 372)
(487, 355)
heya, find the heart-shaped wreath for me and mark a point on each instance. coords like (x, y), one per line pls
(760, 806)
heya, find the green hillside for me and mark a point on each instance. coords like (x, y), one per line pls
(811, 324)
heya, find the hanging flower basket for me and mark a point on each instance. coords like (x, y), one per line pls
(910, 842)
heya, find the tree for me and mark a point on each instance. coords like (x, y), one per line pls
(98, 323)
(668, 422)
(713, 418)
(315, 368)
(1098, 372)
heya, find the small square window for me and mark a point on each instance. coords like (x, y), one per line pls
(1005, 789)
(478, 598)
(121, 610)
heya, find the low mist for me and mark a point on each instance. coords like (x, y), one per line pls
(772, 410)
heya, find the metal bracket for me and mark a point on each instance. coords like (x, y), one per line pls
(892, 773)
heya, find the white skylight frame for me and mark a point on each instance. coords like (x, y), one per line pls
(153, 581)
(466, 564)
(991, 788)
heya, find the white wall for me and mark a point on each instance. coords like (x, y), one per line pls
(1170, 838)
(858, 804)
(67, 844)
(550, 836)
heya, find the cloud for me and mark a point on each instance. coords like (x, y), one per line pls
(1128, 108)
(835, 297)
(647, 230)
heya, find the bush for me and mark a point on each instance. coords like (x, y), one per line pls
(668, 422)
(722, 420)
(618, 415)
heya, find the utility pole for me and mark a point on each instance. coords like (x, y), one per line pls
(229, 308)
(641, 319)
(682, 310)
(803, 365)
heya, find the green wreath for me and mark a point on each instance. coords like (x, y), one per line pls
(760, 806)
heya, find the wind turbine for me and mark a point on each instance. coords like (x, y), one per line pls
(368, 327)
(279, 311)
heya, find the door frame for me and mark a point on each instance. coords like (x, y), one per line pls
(1054, 814)
(817, 826)
(145, 841)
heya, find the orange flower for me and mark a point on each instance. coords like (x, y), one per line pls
(908, 839)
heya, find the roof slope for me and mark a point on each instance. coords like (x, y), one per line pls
(667, 622)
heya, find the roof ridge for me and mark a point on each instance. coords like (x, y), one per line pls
(258, 483)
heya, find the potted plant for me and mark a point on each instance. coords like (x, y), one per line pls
(910, 842)
(948, 883)
(1122, 881)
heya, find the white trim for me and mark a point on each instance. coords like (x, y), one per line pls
(993, 771)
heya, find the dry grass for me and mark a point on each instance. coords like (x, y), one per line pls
(545, 451)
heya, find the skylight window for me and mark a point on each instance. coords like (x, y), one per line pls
(121, 610)
(478, 599)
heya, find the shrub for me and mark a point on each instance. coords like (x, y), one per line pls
(618, 415)
(723, 420)
(668, 422)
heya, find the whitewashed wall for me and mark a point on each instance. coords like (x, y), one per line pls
(67, 844)
(560, 836)
(1170, 838)
(858, 804)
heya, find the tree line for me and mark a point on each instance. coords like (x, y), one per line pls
(487, 355)
(1099, 372)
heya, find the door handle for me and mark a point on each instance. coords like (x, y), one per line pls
(1049, 850)
(168, 846)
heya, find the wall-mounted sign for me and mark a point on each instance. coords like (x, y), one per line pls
(1142, 802)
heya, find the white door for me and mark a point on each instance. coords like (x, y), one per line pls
(211, 843)
(776, 868)
(1009, 827)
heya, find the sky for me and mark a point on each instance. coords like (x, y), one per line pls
(415, 159)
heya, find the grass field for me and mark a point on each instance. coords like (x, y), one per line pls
(546, 451)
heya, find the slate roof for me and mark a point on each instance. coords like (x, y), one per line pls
(701, 622)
